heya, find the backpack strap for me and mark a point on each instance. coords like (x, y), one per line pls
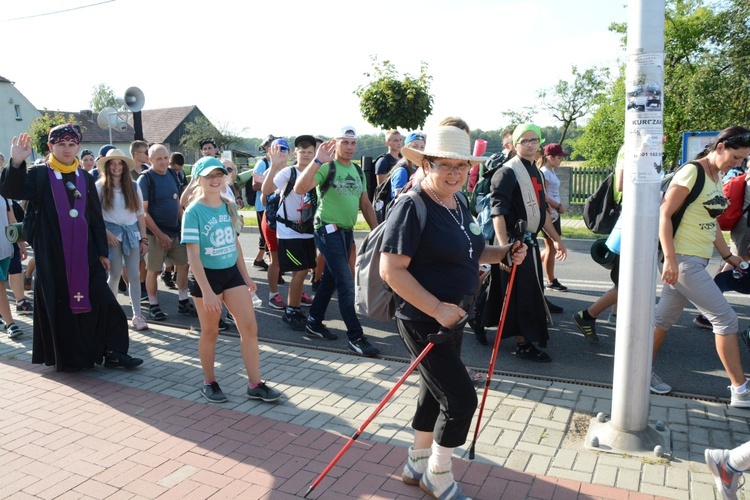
(287, 189)
(421, 208)
(695, 191)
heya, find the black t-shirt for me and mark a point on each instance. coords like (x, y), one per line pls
(385, 164)
(440, 259)
(506, 198)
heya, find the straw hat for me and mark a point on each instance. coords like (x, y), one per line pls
(114, 154)
(445, 142)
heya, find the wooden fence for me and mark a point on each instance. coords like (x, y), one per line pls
(584, 181)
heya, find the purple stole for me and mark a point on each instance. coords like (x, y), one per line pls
(74, 233)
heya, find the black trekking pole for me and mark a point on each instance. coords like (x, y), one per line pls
(434, 338)
(520, 230)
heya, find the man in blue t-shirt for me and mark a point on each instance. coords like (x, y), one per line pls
(383, 166)
(161, 202)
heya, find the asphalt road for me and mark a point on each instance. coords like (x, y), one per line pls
(687, 360)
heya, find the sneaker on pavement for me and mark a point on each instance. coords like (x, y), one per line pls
(139, 323)
(277, 302)
(740, 399)
(120, 359)
(223, 325)
(213, 393)
(702, 322)
(306, 300)
(555, 285)
(362, 347)
(229, 318)
(144, 296)
(263, 392)
(295, 319)
(319, 331)
(13, 330)
(430, 486)
(612, 319)
(25, 306)
(260, 264)
(727, 481)
(587, 327)
(658, 386)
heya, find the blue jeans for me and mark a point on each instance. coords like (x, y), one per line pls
(337, 275)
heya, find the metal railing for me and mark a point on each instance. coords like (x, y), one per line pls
(584, 181)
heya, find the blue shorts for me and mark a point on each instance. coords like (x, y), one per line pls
(4, 265)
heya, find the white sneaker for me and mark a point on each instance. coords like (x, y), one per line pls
(727, 481)
(657, 386)
(739, 399)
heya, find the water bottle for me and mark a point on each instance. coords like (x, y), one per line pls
(739, 271)
(256, 300)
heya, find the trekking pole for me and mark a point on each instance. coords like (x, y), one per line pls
(435, 338)
(520, 229)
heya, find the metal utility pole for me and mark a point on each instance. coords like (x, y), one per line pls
(628, 431)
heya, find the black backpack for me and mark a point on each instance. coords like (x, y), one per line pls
(692, 195)
(482, 187)
(306, 210)
(600, 213)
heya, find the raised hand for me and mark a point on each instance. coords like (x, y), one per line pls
(326, 151)
(20, 149)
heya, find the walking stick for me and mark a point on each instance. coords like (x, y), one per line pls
(437, 338)
(521, 230)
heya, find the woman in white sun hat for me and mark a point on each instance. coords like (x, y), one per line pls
(435, 272)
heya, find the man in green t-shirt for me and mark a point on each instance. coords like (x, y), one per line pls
(334, 237)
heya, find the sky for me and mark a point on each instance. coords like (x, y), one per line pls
(291, 67)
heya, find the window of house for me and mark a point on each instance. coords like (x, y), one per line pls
(18, 111)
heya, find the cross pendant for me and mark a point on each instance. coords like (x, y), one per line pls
(471, 252)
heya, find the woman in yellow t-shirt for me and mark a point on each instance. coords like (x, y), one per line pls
(688, 250)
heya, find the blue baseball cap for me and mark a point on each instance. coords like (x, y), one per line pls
(414, 136)
(206, 165)
(281, 142)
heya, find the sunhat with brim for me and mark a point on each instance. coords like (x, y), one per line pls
(114, 154)
(445, 142)
(206, 165)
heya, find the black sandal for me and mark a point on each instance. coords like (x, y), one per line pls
(533, 354)
(155, 313)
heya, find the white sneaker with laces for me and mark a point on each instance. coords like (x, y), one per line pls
(739, 399)
(727, 481)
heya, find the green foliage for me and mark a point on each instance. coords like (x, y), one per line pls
(706, 82)
(390, 101)
(201, 128)
(515, 117)
(39, 130)
(604, 133)
(102, 97)
(570, 101)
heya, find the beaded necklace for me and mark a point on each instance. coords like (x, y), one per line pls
(461, 213)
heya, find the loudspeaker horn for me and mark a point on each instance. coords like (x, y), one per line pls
(134, 99)
(107, 120)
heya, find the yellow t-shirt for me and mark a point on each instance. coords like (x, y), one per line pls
(697, 231)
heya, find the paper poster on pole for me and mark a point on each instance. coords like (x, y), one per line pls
(644, 115)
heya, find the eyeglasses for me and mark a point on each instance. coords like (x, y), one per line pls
(529, 142)
(449, 168)
(230, 169)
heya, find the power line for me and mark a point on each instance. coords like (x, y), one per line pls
(55, 12)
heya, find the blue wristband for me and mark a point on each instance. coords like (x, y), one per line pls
(318, 161)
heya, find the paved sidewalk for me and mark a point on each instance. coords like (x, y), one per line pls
(148, 433)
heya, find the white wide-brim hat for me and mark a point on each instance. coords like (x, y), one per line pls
(114, 154)
(445, 142)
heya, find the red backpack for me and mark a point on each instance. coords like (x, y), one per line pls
(734, 192)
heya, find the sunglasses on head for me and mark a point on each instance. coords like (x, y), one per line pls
(742, 140)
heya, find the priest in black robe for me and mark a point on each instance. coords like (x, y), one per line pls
(77, 320)
(517, 192)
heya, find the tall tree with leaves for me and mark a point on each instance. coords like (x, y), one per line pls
(570, 101)
(102, 97)
(201, 129)
(515, 117)
(391, 101)
(39, 130)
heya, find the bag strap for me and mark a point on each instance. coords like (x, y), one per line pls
(695, 191)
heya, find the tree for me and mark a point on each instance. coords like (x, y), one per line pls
(706, 82)
(516, 117)
(201, 128)
(569, 101)
(102, 97)
(39, 130)
(390, 101)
